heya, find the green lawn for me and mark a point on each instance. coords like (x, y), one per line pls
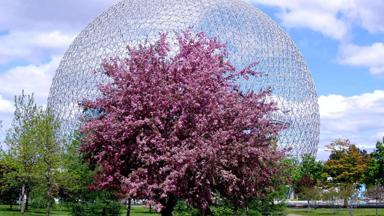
(5, 211)
(142, 211)
(335, 212)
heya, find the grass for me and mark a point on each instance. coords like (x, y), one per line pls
(142, 211)
(334, 212)
(5, 211)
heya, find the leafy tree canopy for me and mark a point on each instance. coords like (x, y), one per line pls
(173, 124)
(375, 174)
(347, 163)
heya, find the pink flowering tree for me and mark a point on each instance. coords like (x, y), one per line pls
(173, 125)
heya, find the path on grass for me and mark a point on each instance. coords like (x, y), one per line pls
(293, 215)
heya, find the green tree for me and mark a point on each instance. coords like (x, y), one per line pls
(347, 163)
(49, 154)
(375, 173)
(9, 191)
(76, 176)
(346, 166)
(22, 150)
(33, 150)
(375, 192)
(309, 175)
(76, 189)
(312, 168)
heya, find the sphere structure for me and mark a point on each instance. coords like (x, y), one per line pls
(250, 36)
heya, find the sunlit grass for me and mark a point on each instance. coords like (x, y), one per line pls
(334, 212)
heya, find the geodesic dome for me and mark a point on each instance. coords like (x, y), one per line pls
(250, 36)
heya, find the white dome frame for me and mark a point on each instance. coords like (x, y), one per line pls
(250, 36)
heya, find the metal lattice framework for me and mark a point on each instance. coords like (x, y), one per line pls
(250, 36)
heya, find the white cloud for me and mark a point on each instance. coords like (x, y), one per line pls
(336, 19)
(32, 46)
(358, 118)
(369, 13)
(319, 21)
(371, 56)
(331, 18)
(43, 15)
(32, 78)
(317, 15)
(380, 136)
(32, 31)
(6, 106)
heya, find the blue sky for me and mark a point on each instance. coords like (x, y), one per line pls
(341, 40)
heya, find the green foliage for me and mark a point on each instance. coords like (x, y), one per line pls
(292, 169)
(9, 192)
(307, 177)
(267, 206)
(33, 153)
(375, 192)
(312, 168)
(49, 152)
(347, 164)
(78, 209)
(259, 206)
(375, 172)
(37, 199)
(329, 194)
(22, 152)
(347, 167)
(223, 210)
(74, 190)
(310, 193)
(183, 209)
(101, 205)
(76, 175)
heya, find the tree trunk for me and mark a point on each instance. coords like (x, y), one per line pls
(26, 198)
(350, 211)
(23, 199)
(346, 203)
(49, 191)
(49, 207)
(169, 205)
(129, 207)
(206, 212)
(49, 197)
(247, 211)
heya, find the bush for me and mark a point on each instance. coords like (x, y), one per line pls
(96, 208)
(37, 200)
(78, 209)
(267, 207)
(183, 209)
(223, 210)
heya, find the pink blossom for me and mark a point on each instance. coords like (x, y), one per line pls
(177, 126)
